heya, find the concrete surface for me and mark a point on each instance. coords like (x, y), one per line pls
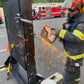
(4, 55)
(49, 57)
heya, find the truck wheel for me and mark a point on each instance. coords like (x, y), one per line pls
(0, 21)
(38, 17)
(62, 14)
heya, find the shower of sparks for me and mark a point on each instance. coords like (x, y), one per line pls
(49, 57)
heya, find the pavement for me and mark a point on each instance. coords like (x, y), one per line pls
(3, 56)
(49, 57)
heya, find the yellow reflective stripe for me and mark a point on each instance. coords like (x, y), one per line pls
(77, 79)
(9, 67)
(83, 8)
(12, 45)
(79, 34)
(75, 57)
(62, 33)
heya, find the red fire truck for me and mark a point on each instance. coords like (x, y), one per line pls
(1, 20)
(48, 11)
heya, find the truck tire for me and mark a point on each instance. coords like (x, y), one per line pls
(1, 22)
(62, 14)
(38, 17)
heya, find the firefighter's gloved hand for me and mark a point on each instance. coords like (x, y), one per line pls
(48, 33)
(57, 31)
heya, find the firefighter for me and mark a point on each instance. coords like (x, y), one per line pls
(72, 35)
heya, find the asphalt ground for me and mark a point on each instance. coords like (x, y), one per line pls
(3, 56)
(50, 58)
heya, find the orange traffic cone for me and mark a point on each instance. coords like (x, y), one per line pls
(8, 47)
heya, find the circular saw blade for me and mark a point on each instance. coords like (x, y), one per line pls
(44, 33)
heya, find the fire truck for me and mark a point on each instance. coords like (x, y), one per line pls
(48, 10)
(1, 20)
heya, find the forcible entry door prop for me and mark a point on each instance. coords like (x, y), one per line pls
(19, 25)
(18, 17)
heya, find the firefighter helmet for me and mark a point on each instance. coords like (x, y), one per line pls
(73, 4)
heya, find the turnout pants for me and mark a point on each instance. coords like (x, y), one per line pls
(72, 71)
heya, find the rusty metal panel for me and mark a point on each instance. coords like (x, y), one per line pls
(14, 29)
(21, 35)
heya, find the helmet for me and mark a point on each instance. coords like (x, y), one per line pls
(48, 81)
(73, 4)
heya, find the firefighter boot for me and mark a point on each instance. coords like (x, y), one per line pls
(69, 78)
(77, 76)
(77, 80)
